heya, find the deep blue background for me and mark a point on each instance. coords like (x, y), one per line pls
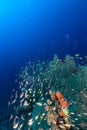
(38, 29)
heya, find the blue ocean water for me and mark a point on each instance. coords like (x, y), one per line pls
(36, 30)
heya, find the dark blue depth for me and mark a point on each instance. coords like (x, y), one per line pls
(38, 29)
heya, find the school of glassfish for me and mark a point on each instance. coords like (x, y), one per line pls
(36, 104)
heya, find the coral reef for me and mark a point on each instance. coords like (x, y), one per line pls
(35, 80)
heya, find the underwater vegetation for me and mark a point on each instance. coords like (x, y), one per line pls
(35, 80)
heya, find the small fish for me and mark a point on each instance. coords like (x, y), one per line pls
(77, 55)
(13, 90)
(76, 119)
(46, 93)
(20, 86)
(22, 89)
(45, 119)
(22, 117)
(21, 125)
(85, 114)
(73, 125)
(43, 114)
(54, 108)
(11, 97)
(81, 92)
(29, 89)
(73, 74)
(72, 113)
(79, 115)
(34, 91)
(30, 122)
(33, 95)
(42, 98)
(39, 104)
(16, 95)
(29, 113)
(9, 103)
(61, 122)
(11, 117)
(25, 103)
(15, 126)
(26, 95)
(38, 123)
(68, 125)
(75, 102)
(83, 105)
(30, 100)
(61, 126)
(26, 83)
(21, 95)
(77, 128)
(13, 101)
(41, 95)
(36, 117)
(44, 104)
(73, 121)
(80, 58)
(34, 100)
(22, 100)
(40, 92)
